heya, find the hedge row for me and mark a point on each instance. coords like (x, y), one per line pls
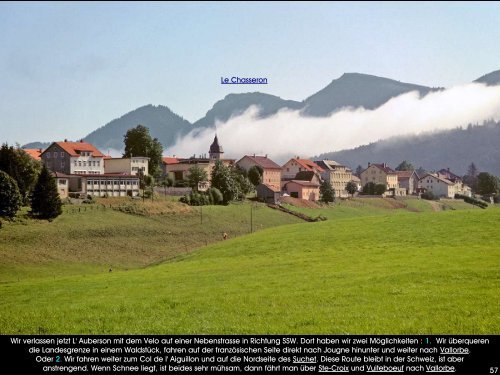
(473, 201)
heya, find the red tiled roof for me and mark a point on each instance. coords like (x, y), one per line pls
(74, 148)
(33, 152)
(264, 162)
(170, 160)
(309, 165)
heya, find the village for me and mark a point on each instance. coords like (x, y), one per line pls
(81, 170)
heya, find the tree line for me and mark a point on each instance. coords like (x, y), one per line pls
(26, 182)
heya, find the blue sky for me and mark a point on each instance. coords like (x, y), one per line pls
(69, 68)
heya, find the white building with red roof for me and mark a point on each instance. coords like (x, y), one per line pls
(73, 158)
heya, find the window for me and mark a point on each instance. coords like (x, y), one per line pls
(84, 163)
(98, 163)
(75, 163)
(62, 154)
(79, 163)
(55, 155)
(62, 164)
(48, 155)
(93, 163)
(62, 182)
(89, 182)
(115, 182)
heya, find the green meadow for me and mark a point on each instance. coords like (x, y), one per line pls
(368, 269)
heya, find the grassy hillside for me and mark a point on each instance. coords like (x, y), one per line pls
(94, 240)
(404, 273)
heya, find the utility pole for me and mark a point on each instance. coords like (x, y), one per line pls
(201, 214)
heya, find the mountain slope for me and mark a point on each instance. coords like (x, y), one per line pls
(236, 104)
(357, 90)
(161, 121)
(455, 149)
(491, 79)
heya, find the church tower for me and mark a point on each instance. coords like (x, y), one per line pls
(215, 151)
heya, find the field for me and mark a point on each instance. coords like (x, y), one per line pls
(91, 239)
(368, 270)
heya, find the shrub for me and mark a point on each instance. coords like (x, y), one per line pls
(473, 201)
(181, 183)
(380, 189)
(429, 195)
(216, 195)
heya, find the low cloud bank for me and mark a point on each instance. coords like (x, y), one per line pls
(289, 133)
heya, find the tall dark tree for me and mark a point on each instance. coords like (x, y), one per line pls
(255, 175)
(369, 188)
(138, 142)
(326, 191)
(358, 171)
(223, 180)
(21, 167)
(487, 184)
(351, 187)
(405, 166)
(10, 198)
(196, 176)
(471, 177)
(45, 202)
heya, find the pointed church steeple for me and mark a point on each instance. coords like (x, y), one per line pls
(215, 151)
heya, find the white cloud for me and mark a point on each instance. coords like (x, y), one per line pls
(289, 133)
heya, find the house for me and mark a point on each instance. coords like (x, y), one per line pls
(179, 171)
(295, 165)
(34, 153)
(131, 166)
(408, 180)
(302, 190)
(73, 158)
(268, 193)
(62, 183)
(439, 185)
(381, 174)
(337, 174)
(271, 172)
(168, 161)
(461, 187)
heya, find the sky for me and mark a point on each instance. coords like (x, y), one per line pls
(69, 68)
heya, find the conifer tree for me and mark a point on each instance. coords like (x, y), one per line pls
(45, 202)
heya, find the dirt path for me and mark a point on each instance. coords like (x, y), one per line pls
(435, 206)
